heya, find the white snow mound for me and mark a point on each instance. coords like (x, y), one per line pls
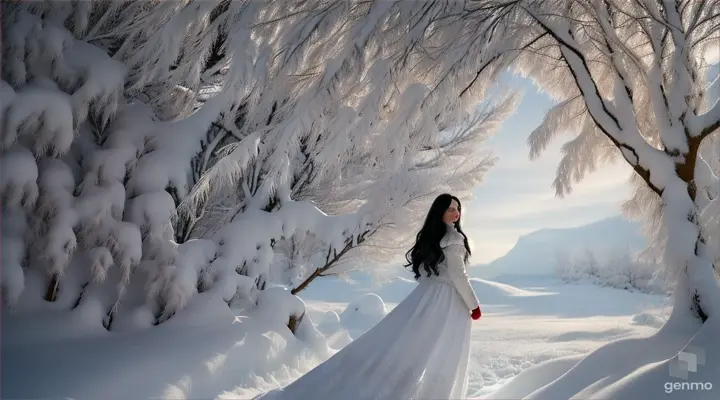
(363, 313)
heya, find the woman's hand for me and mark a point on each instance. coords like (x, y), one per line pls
(476, 314)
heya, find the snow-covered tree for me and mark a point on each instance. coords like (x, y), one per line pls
(631, 82)
(151, 151)
(619, 269)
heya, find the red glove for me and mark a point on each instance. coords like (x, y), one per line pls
(476, 314)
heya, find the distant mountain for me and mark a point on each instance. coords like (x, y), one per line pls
(535, 253)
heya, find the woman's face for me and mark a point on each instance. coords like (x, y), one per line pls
(452, 214)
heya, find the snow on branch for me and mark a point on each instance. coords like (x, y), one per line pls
(706, 123)
(640, 70)
(173, 148)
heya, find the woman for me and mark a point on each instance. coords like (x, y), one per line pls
(419, 350)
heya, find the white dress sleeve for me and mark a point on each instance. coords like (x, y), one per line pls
(455, 258)
(454, 251)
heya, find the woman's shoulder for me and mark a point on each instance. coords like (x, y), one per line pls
(452, 237)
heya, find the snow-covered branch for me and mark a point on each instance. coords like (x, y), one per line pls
(174, 148)
(706, 123)
(638, 69)
(613, 119)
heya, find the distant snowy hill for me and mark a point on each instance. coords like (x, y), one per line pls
(535, 253)
(533, 256)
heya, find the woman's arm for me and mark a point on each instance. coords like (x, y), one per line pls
(458, 274)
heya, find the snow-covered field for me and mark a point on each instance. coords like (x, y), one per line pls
(539, 321)
(214, 354)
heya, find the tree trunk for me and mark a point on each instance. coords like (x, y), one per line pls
(680, 203)
(294, 322)
(702, 284)
(52, 288)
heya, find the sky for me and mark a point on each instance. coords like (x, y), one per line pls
(517, 196)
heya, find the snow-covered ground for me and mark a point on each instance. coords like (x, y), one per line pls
(537, 321)
(224, 356)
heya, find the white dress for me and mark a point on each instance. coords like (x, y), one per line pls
(418, 351)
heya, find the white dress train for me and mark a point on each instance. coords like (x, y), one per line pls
(419, 350)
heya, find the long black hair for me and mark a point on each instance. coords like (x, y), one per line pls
(427, 251)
